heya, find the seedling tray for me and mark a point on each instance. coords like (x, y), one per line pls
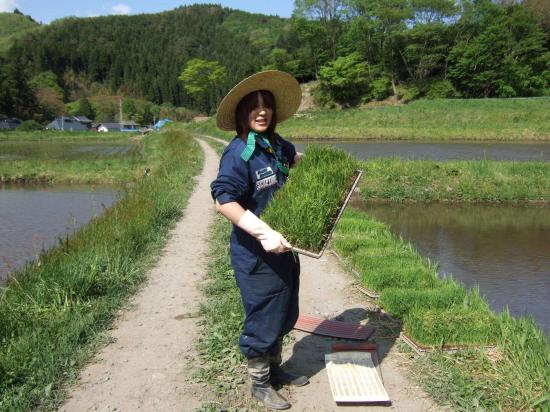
(346, 197)
(423, 349)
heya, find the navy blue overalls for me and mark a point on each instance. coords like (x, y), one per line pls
(268, 282)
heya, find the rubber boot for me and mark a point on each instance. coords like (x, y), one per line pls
(277, 374)
(261, 389)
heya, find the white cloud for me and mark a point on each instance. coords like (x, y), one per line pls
(7, 5)
(120, 8)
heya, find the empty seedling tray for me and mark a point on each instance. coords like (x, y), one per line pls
(346, 197)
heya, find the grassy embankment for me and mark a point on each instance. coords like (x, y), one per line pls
(51, 157)
(438, 312)
(53, 312)
(511, 120)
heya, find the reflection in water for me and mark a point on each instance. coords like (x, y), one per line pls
(34, 218)
(503, 249)
(442, 150)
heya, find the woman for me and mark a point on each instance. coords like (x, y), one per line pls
(253, 166)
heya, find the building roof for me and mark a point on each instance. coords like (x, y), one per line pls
(82, 119)
(66, 123)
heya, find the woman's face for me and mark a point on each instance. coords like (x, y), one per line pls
(259, 118)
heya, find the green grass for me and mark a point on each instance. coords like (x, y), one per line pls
(424, 120)
(223, 316)
(439, 312)
(305, 208)
(53, 312)
(455, 181)
(512, 377)
(77, 160)
(57, 135)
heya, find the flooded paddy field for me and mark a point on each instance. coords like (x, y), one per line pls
(440, 150)
(505, 249)
(35, 218)
(64, 149)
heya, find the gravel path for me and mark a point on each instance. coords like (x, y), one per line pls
(150, 362)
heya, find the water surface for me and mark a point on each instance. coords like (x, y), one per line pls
(441, 150)
(504, 249)
(33, 218)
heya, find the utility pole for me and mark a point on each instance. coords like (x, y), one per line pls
(120, 112)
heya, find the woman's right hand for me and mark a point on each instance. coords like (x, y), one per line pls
(273, 242)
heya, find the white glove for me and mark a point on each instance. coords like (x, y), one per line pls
(271, 240)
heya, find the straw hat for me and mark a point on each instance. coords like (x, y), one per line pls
(284, 87)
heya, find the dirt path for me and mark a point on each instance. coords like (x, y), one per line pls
(327, 291)
(150, 364)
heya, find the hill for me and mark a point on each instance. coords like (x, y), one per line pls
(12, 26)
(143, 55)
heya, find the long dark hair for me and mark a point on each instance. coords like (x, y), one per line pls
(251, 102)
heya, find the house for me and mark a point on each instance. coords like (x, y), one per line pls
(66, 124)
(128, 126)
(10, 124)
(83, 120)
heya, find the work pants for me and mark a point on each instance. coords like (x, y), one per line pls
(270, 298)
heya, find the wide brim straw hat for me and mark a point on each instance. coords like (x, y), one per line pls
(284, 87)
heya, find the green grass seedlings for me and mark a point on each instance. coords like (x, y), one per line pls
(305, 209)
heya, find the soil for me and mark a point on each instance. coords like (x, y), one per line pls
(150, 363)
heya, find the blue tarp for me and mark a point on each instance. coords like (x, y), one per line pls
(158, 125)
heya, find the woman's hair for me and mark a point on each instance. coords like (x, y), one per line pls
(251, 102)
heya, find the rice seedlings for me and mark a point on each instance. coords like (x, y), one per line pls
(453, 326)
(400, 301)
(305, 209)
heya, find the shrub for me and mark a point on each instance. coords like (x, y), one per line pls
(440, 89)
(380, 88)
(406, 93)
(345, 79)
(29, 125)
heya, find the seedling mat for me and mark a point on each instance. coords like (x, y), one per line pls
(353, 378)
(342, 207)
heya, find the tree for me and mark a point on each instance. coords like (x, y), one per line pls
(85, 108)
(46, 79)
(346, 79)
(204, 80)
(50, 104)
(506, 58)
(16, 96)
(385, 24)
(330, 13)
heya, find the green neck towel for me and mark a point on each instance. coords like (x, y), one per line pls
(247, 152)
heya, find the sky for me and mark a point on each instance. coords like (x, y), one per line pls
(46, 11)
